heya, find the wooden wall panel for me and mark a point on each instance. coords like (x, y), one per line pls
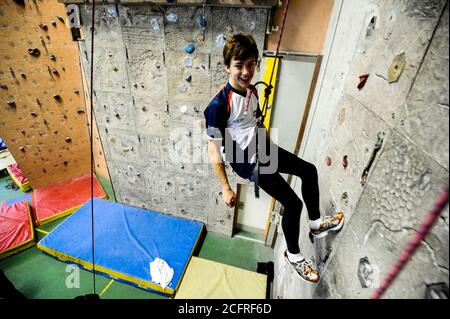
(47, 137)
(240, 3)
(305, 27)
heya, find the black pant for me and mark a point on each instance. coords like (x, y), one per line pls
(275, 185)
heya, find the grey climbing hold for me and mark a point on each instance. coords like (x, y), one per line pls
(365, 273)
(111, 11)
(155, 24)
(220, 40)
(183, 88)
(190, 48)
(171, 17)
(183, 109)
(188, 78)
(188, 61)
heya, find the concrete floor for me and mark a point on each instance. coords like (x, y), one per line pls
(39, 276)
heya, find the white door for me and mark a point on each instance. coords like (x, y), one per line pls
(292, 88)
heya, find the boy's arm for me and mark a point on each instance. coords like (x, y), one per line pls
(216, 161)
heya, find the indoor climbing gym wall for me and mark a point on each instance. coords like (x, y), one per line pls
(156, 67)
(379, 135)
(42, 113)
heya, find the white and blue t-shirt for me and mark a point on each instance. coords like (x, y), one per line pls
(233, 115)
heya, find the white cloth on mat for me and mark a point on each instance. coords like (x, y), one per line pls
(161, 272)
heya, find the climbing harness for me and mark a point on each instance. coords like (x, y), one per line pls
(413, 243)
(265, 107)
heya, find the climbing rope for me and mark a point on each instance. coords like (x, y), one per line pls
(267, 92)
(413, 243)
(92, 140)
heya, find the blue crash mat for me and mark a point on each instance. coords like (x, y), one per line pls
(21, 198)
(127, 239)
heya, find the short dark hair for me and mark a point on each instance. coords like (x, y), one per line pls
(240, 46)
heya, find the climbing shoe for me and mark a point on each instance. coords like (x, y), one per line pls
(304, 269)
(329, 223)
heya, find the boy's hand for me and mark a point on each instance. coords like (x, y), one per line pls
(229, 197)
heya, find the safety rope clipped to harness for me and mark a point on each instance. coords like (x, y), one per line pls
(267, 92)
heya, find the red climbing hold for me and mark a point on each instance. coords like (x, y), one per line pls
(362, 81)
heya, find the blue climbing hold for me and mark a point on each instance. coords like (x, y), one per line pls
(2, 144)
(190, 48)
(202, 22)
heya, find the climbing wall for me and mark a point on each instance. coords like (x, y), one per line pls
(42, 103)
(379, 137)
(155, 71)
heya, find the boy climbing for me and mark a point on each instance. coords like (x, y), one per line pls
(232, 127)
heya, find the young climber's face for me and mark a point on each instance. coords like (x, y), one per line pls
(241, 73)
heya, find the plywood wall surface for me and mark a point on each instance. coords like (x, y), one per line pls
(42, 107)
(305, 27)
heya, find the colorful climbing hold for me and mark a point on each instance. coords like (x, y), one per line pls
(202, 22)
(345, 161)
(190, 48)
(362, 81)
